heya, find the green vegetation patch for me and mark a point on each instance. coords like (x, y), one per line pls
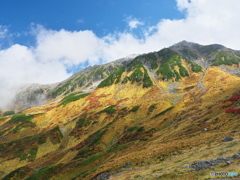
(141, 128)
(135, 64)
(97, 136)
(136, 128)
(170, 59)
(54, 135)
(182, 70)
(152, 108)
(114, 77)
(4, 131)
(30, 154)
(72, 97)
(60, 89)
(223, 57)
(154, 65)
(92, 159)
(163, 112)
(195, 67)
(21, 118)
(109, 110)
(189, 87)
(147, 82)
(134, 109)
(137, 75)
(143, 139)
(119, 147)
(3, 119)
(19, 173)
(177, 75)
(149, 56)
(133, 128)
(7, 113)
(46, 173)
(25, 148)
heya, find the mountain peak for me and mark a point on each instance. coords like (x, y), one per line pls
(191, 45)
(184, 43)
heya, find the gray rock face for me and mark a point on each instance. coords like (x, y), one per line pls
(103, 176)
(228, 138)
(202, 165)
(236, 156)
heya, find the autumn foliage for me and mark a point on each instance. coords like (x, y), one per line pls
(232, 110)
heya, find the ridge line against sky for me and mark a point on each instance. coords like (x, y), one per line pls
(41, 54)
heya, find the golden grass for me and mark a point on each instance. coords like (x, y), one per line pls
(178, 141)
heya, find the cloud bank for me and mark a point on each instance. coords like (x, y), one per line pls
(205, 22)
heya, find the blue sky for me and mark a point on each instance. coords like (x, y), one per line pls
(102, 17)
(47, 41)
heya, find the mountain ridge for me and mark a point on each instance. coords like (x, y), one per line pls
(197, 55)
(159, 116)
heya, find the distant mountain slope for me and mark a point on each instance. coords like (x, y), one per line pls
(169, 64)
(210, 55)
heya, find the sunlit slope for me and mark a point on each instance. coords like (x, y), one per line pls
(142, 121)
(104, 130)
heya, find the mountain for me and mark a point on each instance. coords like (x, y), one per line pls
(170, 114)
(211, 55)
(165, 64)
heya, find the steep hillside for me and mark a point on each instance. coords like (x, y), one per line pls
(210, 55)
(159, 115)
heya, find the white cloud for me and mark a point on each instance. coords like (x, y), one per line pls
(19, 65)
(71, 48)
(3, 31)
(205, 22)
(133, 23)
(3, 34)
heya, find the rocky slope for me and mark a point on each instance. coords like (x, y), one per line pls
(166, 64)
(171, 114)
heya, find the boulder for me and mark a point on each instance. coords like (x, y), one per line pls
(228, 138)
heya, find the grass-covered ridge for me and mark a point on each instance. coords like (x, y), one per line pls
(166, 63)
(139, 75)
(224, 58)
(115, 77)
(72, 97)
(7, 113)
(169, 61)
(21, 118)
